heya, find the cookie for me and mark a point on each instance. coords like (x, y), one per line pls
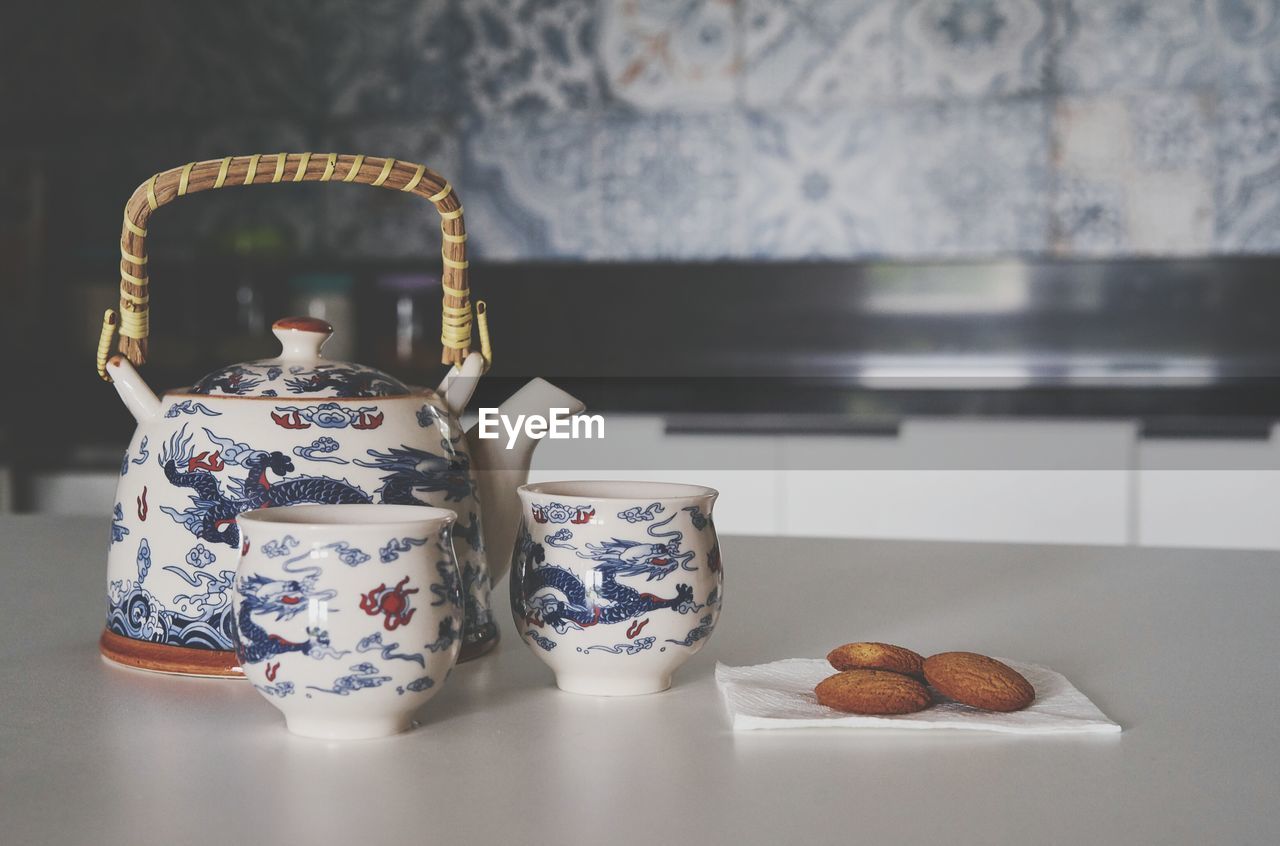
(979, 681)
(873, 692)
(876, 656)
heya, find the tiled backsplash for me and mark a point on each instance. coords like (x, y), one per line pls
(698, 129)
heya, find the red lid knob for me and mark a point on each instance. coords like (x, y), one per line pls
(301, 337)
(303, 324)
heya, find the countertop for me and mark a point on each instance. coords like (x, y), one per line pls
(1177, 646)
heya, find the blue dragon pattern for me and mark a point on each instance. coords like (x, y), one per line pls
(698, 632)
(362, 677)
(235, 381)
(374, 643)
(191, 407)
(225, 478)
(554, 596)
(285, 598)
(213, 511)
(635, 647)
(336, 380)
(407, 470)
(279, 689)
(347, 380)
(445, 636)
(470, 532)
(395, 546)
(447, 589)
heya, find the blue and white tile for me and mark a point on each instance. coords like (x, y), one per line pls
(1170, 213)
(1171, 177)
(375, 223)
(390, 58)
(1247, 43)
(973, 48)
(978, 178)
(1092, 135)
(530, 183)
(1106, 45)
(1247, 130)
(528, 57)
(824, 184)
(1134, 175)
(1089, 216)
(817, 52)
(1170, 132)
(667, 54)
(1151, 156)
(669, 186)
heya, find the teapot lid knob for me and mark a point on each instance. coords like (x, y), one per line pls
(301, 337)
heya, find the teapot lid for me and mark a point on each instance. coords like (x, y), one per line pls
(300, 370)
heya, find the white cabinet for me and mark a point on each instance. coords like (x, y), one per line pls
(1031, 481)
(1035, 481)
(1199, 493)
(982, 480)
(74, 493)
(1088, 482)
(1017, 481)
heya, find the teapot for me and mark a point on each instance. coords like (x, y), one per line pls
(296, 428)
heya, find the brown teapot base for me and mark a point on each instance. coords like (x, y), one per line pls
(209, 663)
(163, 658)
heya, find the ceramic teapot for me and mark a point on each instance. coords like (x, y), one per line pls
(296, 428)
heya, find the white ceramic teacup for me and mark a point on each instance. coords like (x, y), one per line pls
(348, 617)
(614, 585)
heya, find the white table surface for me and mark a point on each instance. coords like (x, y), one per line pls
(1178, 646)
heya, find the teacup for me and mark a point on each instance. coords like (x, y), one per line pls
(348, 617)
(614, 585)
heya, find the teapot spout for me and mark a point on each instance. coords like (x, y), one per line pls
(502, 467)
(141, 401)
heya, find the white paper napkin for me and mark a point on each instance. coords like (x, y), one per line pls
(779, 695)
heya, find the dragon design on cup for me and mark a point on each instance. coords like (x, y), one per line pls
(284, 598)
(554, 596)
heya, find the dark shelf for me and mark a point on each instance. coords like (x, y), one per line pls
(1176, 344)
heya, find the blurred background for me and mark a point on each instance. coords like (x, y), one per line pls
(954, 269)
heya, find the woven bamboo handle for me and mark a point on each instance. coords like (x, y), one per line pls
(272, 168)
